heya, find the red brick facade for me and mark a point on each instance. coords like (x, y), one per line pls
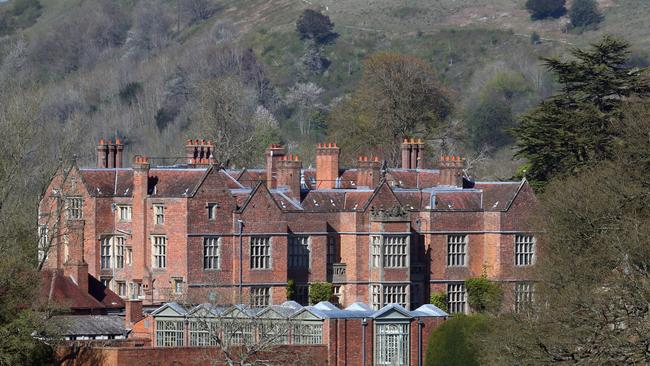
(337, 212)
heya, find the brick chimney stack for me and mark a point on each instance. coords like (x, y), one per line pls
(451, 171)
(109, 155)
(119, 152)
(199, 152)
(327, 165)
(134, 314)
(139, 216)
(102, 154)
(368, 171)
(274, 153)
(412, 154)
(288, 174)
(75, 266)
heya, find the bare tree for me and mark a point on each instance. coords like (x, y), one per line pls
(304, 98)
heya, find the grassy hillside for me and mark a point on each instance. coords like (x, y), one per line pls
(84, 56)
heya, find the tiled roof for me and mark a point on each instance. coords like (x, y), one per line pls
(91, 325)
(497, 196)
(62, 290)
(415, 189)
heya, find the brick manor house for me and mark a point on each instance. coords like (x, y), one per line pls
(198, 231)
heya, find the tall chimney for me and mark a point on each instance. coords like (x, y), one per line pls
(76, 267)
(111, 154)
(327, 165)
(139, 216)
(274, 153)
(451, 171)
(288, 175)
(406, 154)
(119, 151)
(199, 152)
(412, 154)
(134, 314)
(368, 171)
(102, 154)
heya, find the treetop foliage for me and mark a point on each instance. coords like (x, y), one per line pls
(590, 304)
(398, 96)
(316, 26)
(320, 291)
(483, 295)
(452, 344)
(577, 126)
(585, 13)
(540, 9)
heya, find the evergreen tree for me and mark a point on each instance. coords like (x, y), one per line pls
(585, 13)
(576, 127)
(540, 9)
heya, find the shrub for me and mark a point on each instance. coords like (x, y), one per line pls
(585, 13)
(291, 289)
(451, 343)
(540, 9)
(320, 291)
(483, 295)
(315, 26)
(439, 299)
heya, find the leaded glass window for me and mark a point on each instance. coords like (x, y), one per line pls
(524, 250)
(392, 344)
(299, 250)
(457, 250)
(260, 252)
(169, 333)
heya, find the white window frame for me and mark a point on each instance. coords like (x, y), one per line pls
(124, 213)
(120, 287)
(392, 343)
(457, 245)
(524, 295)
(260, 252)
(260, 296)
(384, 294)
(74, 208)
(211, 253)
(170, 332)
(159, 251)
(375, 251)
(178, 285)
(159, 214)
(456, 298)
(299, 252)
(524, 250)
(307, 332)
(395, 251)
(112, 252)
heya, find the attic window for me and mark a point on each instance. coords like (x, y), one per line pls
(212, 210)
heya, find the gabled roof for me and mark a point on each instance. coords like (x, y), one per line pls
(61, 289)
(170, 309)
(390, 310)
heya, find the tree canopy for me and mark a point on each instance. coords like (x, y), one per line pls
(590, 305)
(540, 9)
(316, 26)
(397, 96)
(577, 126)
(585, 13)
